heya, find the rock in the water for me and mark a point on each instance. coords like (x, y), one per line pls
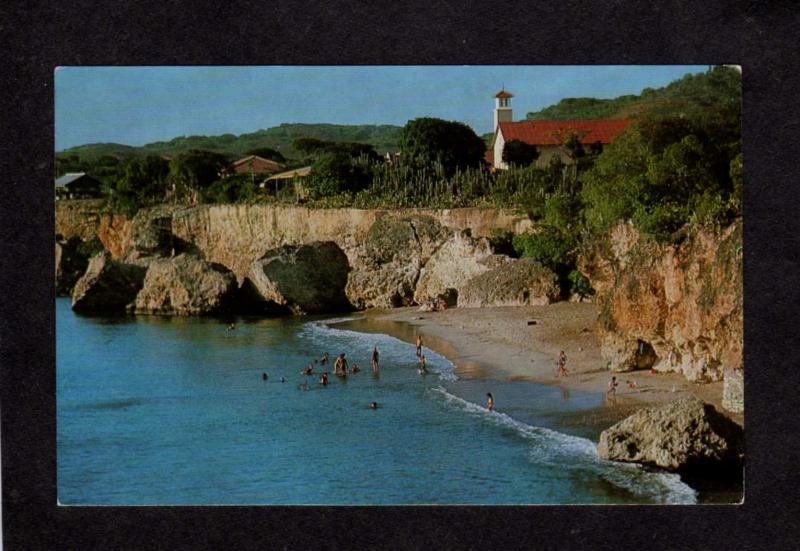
(733, 390)
(686, 435)
(107, 285)
(72, 259)
(307, 279)
(454, 264)
(516, 283)
(185, 285)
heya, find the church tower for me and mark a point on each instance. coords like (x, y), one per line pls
(502, 107)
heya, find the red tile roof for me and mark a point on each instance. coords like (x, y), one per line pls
(503, 94)
(552, 132)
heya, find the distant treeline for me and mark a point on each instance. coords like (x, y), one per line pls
(687, 96)
(280, 138)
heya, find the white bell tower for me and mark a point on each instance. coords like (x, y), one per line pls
(502, 107)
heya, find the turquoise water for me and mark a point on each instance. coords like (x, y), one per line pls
(159, 410)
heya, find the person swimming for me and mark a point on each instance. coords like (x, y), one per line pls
(373, 405)
(324, 359)
(323, 380)
(264, 376)
(489, 401)
(355, 368)
(283, 380)
(340, 365)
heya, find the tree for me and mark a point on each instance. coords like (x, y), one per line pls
(334, 173)
(193, 171)
(141, 181)
(455, 145)
(267, 153)
(519, 153)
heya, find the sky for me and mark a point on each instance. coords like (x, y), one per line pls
(139, 105)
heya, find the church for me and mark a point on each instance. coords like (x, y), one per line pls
(547, 136)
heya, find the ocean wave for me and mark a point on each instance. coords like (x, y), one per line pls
(357, 343)
(576, 453)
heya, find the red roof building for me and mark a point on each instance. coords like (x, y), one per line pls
(254, 164)
(547, 136)
(554, 132)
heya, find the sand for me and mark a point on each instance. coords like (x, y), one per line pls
(523, 343)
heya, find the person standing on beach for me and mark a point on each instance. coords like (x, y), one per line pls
(489, 401)
(612, 387)
(562, 365)
(375, 356)
(419, 346)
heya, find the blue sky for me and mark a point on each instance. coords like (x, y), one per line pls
(138, 105)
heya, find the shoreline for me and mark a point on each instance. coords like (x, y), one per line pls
(498, 344)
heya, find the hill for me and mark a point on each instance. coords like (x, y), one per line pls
(686, 95)
(382, 137)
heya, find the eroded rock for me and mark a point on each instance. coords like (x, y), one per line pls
(185, 285)
(520, 282)
(454, 264)
(306, 279)
(107, 285)
(685, 435)
(733, 390)
(387, 265)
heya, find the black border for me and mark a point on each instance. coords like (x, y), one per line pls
(38, 36)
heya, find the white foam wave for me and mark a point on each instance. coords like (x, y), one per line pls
(573, 452)
(361, 344)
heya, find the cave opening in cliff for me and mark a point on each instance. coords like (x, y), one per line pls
(646, 356)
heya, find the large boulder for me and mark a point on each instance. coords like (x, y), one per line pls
(520, 282)
(454, 264)
(387, 266)
(185, 285)
(107, 285)
(305, 279)
(685, 435)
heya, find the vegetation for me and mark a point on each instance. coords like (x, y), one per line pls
(453, 144)
(139, 182)
(519, 153)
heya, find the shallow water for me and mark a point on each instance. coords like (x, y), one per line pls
(159, 410)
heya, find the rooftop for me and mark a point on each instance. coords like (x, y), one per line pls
(552, 132)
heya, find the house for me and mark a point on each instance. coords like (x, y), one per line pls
(253, 164)
(285, 178)
(77, 185)
(547, 136)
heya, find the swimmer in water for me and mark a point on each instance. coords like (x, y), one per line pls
(283, 380)
(489, 401)
(419, 346)
(340, 365)
(324, 359)
(323, 380)
(373, 405)
(264, 376)
(355, 368)
(422, 368)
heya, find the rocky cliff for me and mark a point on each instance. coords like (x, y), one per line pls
(671, 307)
(387, 250)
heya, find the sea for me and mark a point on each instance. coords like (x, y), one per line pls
(158, 410)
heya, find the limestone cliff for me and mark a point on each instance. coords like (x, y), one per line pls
(670, 307)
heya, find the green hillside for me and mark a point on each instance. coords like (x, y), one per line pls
(687, 95)
(382, 137)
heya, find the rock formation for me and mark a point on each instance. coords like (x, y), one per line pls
(107, 285)
(185, 285)
(670, 307)
(306, 279)
(514, 283)
(733, 390)
(686, 435)
(387, 265)
(457, 261)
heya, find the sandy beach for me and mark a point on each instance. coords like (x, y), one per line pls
(523, 343)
